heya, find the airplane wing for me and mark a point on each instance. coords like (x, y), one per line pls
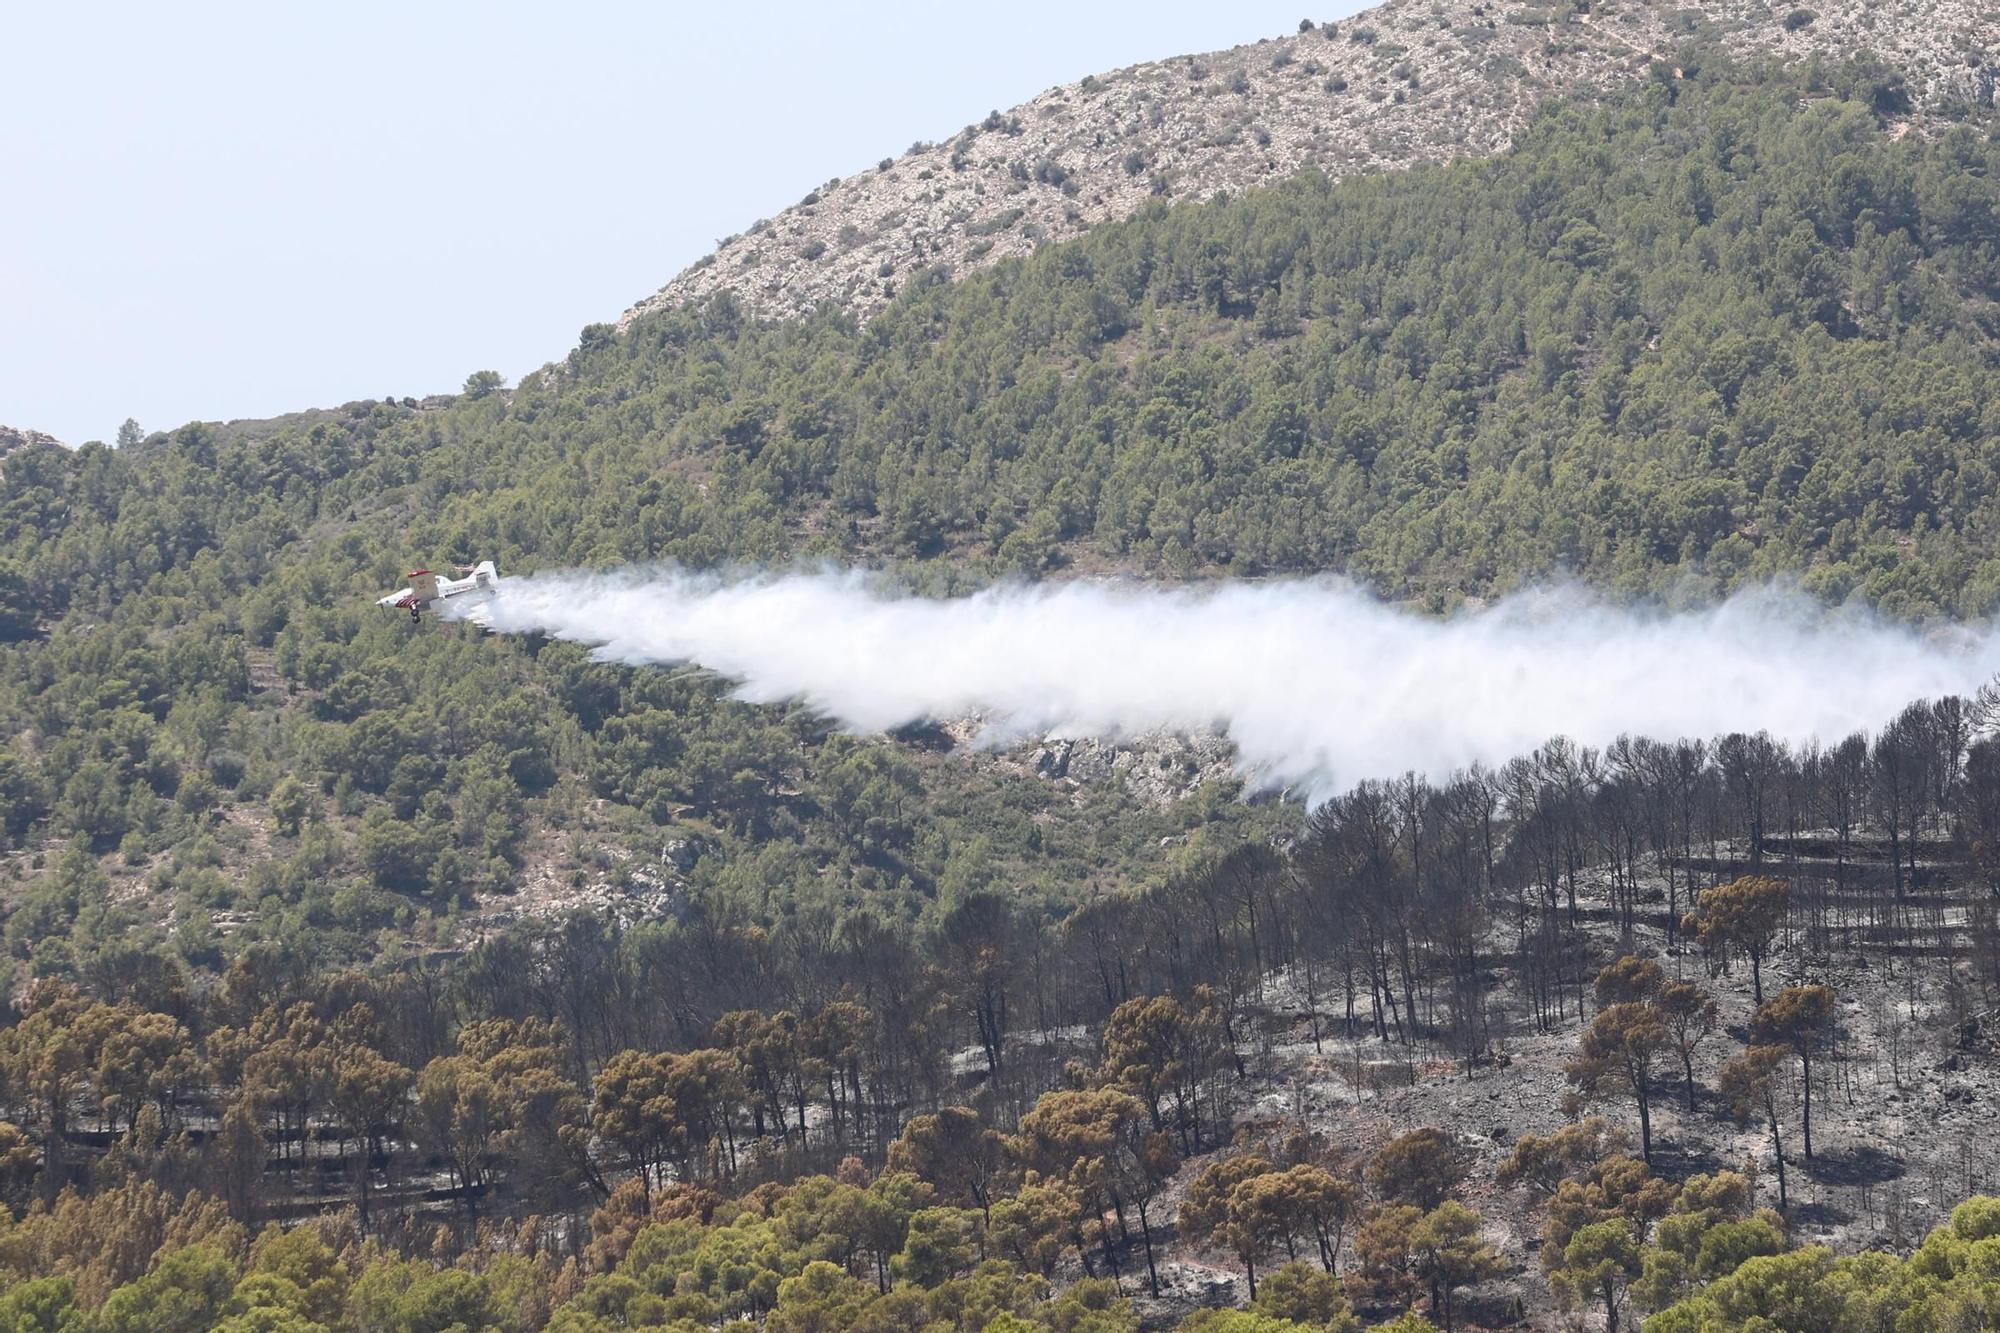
(427, 590)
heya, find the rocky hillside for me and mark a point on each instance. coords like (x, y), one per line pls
(1407, 82)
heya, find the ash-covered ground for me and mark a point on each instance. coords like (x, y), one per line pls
(1903, 1102)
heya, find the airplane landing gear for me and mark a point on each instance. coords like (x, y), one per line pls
(416, 615)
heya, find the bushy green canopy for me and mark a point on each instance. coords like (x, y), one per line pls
(1719, 328)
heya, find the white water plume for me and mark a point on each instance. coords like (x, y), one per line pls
(1317, 683)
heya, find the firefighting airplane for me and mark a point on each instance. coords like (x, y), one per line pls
(476, 583)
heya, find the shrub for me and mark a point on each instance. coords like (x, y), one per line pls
(997, 223)
(480, 383)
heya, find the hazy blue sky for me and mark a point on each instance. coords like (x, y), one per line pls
(227, 211)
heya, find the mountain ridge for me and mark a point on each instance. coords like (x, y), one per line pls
(1407, 82)
(1680, 336)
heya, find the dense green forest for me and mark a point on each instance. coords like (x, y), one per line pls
(1723, 328)
(1729, 325)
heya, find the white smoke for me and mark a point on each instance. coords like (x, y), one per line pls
(1316, 682)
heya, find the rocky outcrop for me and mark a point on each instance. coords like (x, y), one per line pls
(1408, 82)
(1157, 768)
(1976, 83)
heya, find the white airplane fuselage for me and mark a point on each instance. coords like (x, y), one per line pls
(427, 589)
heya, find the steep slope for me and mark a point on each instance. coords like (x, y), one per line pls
(1659, 344)
(1701, 333)
(1400, 84)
